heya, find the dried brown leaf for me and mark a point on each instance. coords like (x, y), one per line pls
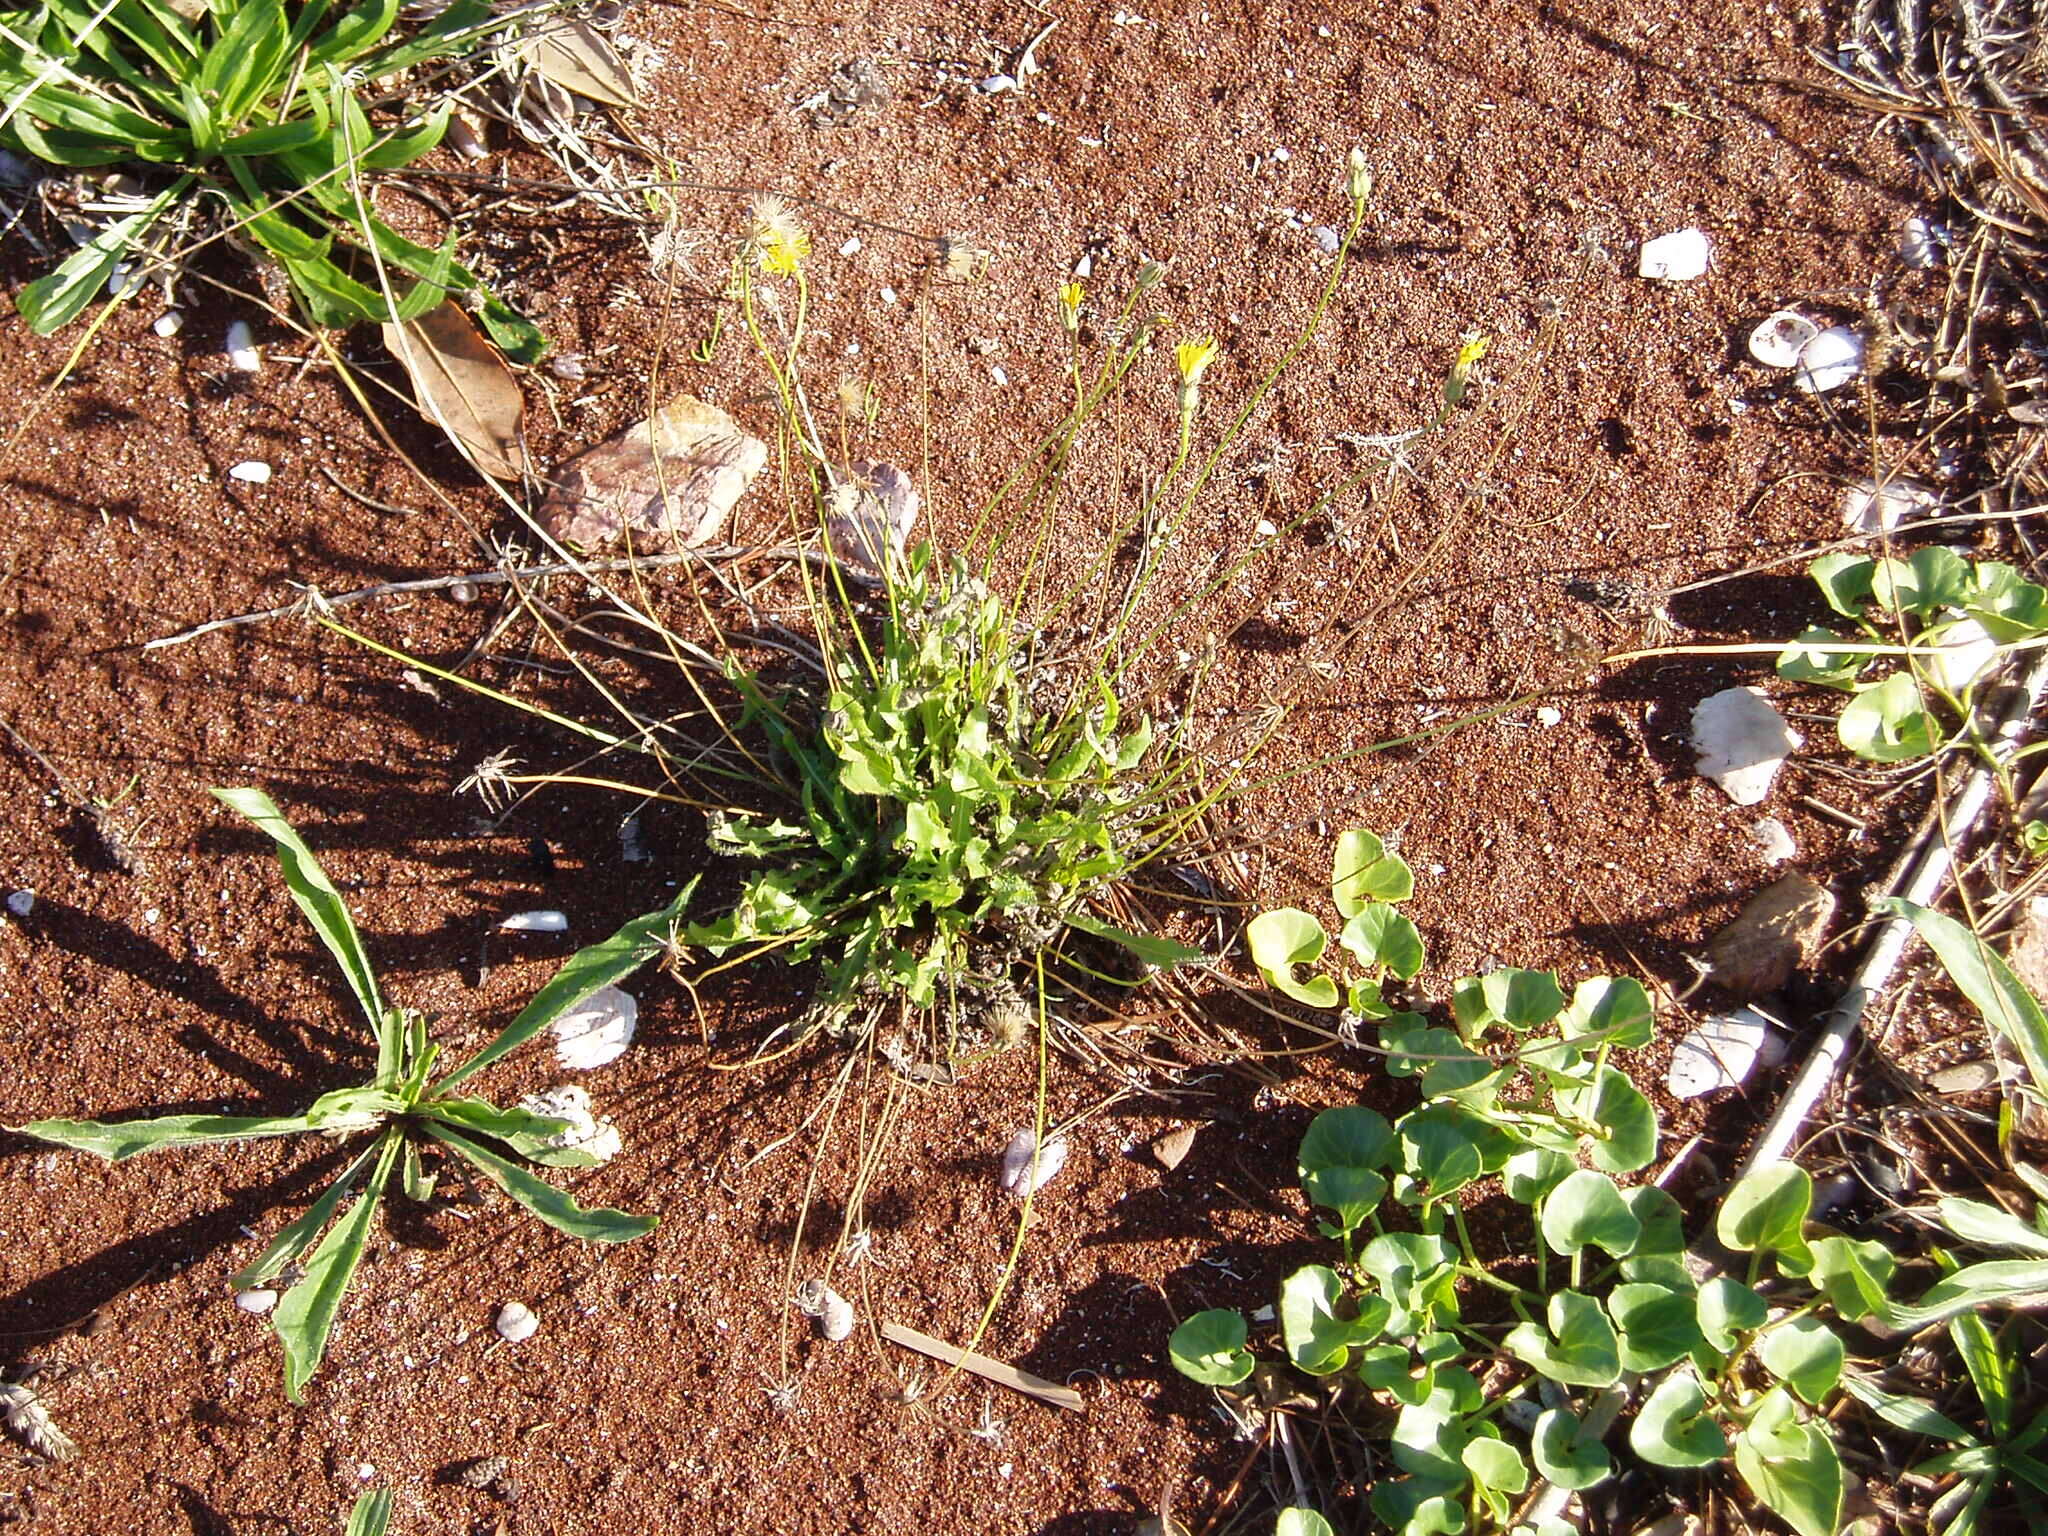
(669, 480)
(460, 380)
(1770, 938)
(575, 56)
(998, 1371)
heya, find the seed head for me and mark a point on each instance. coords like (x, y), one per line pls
(776, 241)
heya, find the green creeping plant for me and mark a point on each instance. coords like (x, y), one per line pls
(253, 105)
(403, 1107)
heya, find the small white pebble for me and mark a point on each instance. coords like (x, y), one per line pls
(169, 323)
(851, 248)
(566, 365)
(240, 347)
(21, 903)
(888, 295)
(1548, 715)
(1085, 266)
(1773, 841)
(995, 371)
(1265, 529)
(546, 920)
(463, 592)
(366, 1472)
(251, 472)
(995, 85)
(256, 1302)
(1327, 239)
(516, 1323)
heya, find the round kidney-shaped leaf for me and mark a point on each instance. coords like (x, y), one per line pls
(1586, 1209)
(1280, 941)
(1340, 1159)
(1496, 1464)
(1564, 1454)
(1728, 1308)
(1889, 722)
(1318, 1340)
(1301, 1522)
(1615, 1011)
(1805, 1354)
(1766, 1212)
(1672, 1428)
(1364, 871)
(1659, 1326)
(1209, 1348)
(1380, 936)
(1626, 1138)
(1533, 1173)
(1579, 1349)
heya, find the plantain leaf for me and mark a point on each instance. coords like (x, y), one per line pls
(558, 1209)
(295, 1239)
(305, 1314)
(130, 1138)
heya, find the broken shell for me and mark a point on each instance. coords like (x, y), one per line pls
(1868, 507)
(546, 920)
(516, 1323)
(1678, 257)
(169, 323)
(1778, 341)
(251, 472)
(1829, 361)
(1773, 841)
(1921, 242)
(832, 1312)
(256, 1302)
(585, 1132)
(1718, 1055)
(240, 347)
(1026, 1168)
(1742, 741)
(597, 1030)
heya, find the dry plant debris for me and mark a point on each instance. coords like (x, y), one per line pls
(460, 381)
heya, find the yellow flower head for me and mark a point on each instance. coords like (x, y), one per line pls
(1471, 348)
(778, 243)
(1070, 305)
(1191, 357)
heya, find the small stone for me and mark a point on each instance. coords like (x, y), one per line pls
(1549, 715)
(1742, 742)
(1773, 841)
(1964, 1077)
(1265, 529)
(566, 365)
(256, 1302)
(1676, 258)
(851, 248)
(516, 1323)
(1085, 266)
(240, 347)
(1172, 1149)
(21, 903)
(1921, 242)
(1718, 1055)
(995, 85)
(483, 1473)
(251, 472)
(1327, 239)
(169, 323)
(545, 920)
(462, 592)
(888, 295)
(995, 371)
(1770, 937)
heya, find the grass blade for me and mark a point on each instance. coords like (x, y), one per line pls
(130, 1138)
(553, 1206)
(305, 1315)
(325, 910)
(1986, 980)
(296, 1238)
(371, 1514)
(600, 965)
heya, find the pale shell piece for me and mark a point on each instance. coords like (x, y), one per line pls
(1718, 1055)
(1678, 257)
(251, 472)
(1868, 507)
(1830, 360)
(586, 1133)
(1964, 650)
(1773, 841)
(466, 137)
(240, 347)
(544, 920)
(1742, 742)
(995, 85)
(169, 323)
(1027, 1169)
(1778, 340)
(1920, 242)
(597, 1030)
(516, 1323)
(21, 903)
(256, 1302)
(832, 1312)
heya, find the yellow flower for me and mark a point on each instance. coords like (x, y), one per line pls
(777, 241)
(1070, 306)
(1472, 347)
(1191, 357)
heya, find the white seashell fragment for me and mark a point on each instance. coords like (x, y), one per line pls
(1548, 715)
(256, 1302)
(1742, 741)
(1777, 341)
(1773, 841)
(251, 472)
(544, 920)
(995, 85)
(1829, 361)
(1868, 507)
(1027, 1169)
(1921, 242)
(1678, 257)
(21, 903)
(240, 347)
(832, 1312)
(586, 1133)
(1963, 652)
(516, 1323)
(566, 365)
(1718, 1055)
(597, 1030)
(852, 246)
(169, 323)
